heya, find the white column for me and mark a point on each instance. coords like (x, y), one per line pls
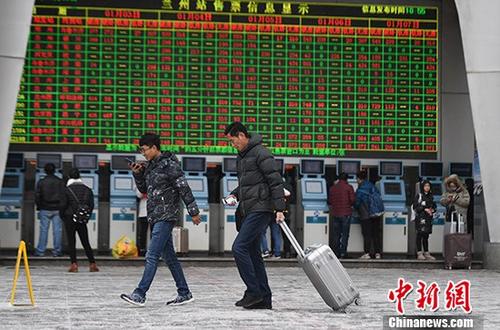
(15, 20)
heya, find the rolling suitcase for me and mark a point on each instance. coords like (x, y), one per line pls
(457, 245)
(180, 238)
(326, 273)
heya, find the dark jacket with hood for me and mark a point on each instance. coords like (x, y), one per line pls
(422, 201)
(48, 193)
(260, 186)
(69, 204)
(164, 182)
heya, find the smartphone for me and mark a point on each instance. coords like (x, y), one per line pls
(130, 161)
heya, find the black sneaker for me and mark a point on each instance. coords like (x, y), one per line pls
(134, 299)
(260, 305)
(181, 300)
(249, 300)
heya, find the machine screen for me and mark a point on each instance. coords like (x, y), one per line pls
(193, 164)
(391, 168)
(85, 162)
(463, 170)
(431, 170)
(124, 184)
(120, 163)
(231, 185)
(229, 165)
(88, 181)
(43, 159)
(392, 188)
(314, 187)
(15, 160)
(196, 184)
(10, 181)
(312, 166)
(348, 167)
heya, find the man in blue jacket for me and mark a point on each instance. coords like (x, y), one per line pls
(370, 216)
(164, 182)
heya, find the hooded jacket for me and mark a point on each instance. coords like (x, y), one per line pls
(459, 198)
(164, 182)
(260, 186)
(422, 201)
(68, 205)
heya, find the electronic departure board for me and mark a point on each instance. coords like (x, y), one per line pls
(314, 79)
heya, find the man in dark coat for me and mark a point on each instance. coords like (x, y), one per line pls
(260, 193)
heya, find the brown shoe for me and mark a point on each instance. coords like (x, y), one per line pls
(93, 267)
(73, 268)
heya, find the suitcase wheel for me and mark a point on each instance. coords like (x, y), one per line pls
(449, 267)
(470, 267)
(357, 301)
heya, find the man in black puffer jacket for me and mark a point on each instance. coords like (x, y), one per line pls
(164, 182)
(260, 193)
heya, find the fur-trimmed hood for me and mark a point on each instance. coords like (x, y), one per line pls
(456, 180)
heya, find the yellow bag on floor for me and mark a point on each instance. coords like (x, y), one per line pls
(124, 248)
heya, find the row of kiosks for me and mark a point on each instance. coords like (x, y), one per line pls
(312, 211)
(11, 198)
(195, 169)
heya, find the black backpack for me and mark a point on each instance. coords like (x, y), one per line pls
(82, 213)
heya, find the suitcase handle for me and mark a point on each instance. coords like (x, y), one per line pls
(459, 218)
(292, 239)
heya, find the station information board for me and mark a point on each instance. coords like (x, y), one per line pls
(315, 79)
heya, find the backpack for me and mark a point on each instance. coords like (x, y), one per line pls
(82, 213)
(375, 203)
(413, 215)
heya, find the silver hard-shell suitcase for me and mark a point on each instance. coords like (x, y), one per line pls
(326, 273)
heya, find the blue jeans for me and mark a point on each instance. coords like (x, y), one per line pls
(248, 257)
(276, 236)
(57, 225)
(161, 245)
(341, 227)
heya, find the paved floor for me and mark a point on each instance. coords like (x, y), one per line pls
(91, 300)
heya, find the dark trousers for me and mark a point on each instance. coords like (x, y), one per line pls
(422, 239)
(341, 228)
(248, 257)
(71, 229)
(142, 234)
(371, 229)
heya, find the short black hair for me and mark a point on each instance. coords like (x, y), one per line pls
(343, 176)
(235, 128)
(150, 139)
(49, 168)
(74, 173)
(361, 175)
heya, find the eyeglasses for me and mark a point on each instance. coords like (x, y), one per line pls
(142, 150)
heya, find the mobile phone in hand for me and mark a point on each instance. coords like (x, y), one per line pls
(130, 160)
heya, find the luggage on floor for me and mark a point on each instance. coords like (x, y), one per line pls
(326, 273)
(457, 244)
(180, 238)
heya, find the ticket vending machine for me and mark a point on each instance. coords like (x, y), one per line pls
(313, 207)
(194, 169)
(123, 205)
(463, 170)
(11, 199)
(41, 161)
(395, 219)
(433, 171)
(229, 183)
(351, 168)
(87, 164)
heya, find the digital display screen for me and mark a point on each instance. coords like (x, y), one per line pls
(231, 185)
(314, 79)
(15, 160)
(312, 166)
(193, 164)
(122, 183)
(431, 170)
(196, 184)
(85, 162)
(43, 159)
(88, 181)
(229, 165)
(391, 168)
(461, 169)
(392, 188)
(314, 187)
(348, 167)
(120, 163)
(10, 181)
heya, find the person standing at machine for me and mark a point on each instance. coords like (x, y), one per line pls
(164, 182)
(424, 207)
(142, 222)
(456, 198)
(77, 194)
(260, 194)
(371, 219)
(341, 200)
(47, 196)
